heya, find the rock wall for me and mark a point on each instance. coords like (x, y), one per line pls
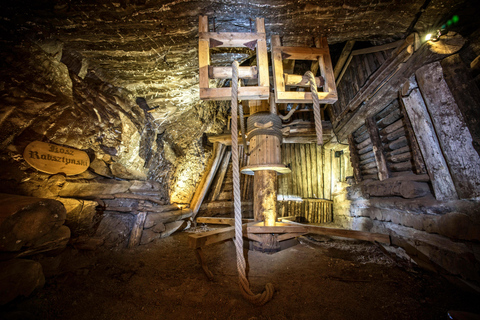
(50, 97)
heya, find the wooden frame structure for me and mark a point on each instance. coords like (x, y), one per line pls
(254, 41)
(252, 230)
(282, 80)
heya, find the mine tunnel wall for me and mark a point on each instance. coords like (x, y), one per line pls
(418, 183)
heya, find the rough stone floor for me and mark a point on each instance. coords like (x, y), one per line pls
(317, 279)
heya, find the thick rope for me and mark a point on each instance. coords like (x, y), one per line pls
(308, 76)
(263, 118)
(258, 299)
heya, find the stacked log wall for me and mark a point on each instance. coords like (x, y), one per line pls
(418, 125)
(356, 74)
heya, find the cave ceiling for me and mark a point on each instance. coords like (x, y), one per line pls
(150, 47)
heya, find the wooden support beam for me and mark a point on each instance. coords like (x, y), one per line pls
(295, 80)
(354, 159)
(207, 178)
(347, 49)
(262, 55)
(226, 72)
(221, 175)
(230, 39)
(137, 230)
(453, 135)
(428, 142)
(291, 228)
(377, 149)
(416, 154)
(227, 221)
(198, 240)
(326, 69)
(245, 93)
(203, 53)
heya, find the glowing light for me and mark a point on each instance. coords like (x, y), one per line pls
(428, 37)
(455, 19)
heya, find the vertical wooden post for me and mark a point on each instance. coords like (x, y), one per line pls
(453, 135)
(137, 230)
(221, 175)
(326, 69)
(428, 142)
(262, 57)
(357, 174)
(219, 150)
(418, 164)
(377, 149)
(203, 54)
(265, 196)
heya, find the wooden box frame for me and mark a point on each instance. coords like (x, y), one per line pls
(321, 54)
(256, 40)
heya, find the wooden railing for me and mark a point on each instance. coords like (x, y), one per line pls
(312, 210)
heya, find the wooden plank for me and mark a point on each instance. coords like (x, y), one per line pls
(354, 234)
(347, 49)
(458, 75)
(340, 76)
(262, 55)
(354, 160)
(245, 93)
(313, 161)
(203, 53)
(326, 69)
(226, 72)
(303, 159)
(227, 221)
(302, 53)
(418, 164)
(298, 166)
(137, 230)
(198, 240)
(308, 161)
(320, 171)
(427, 140)
(221, 175)
(207, 179)
(377, 149)
(383, 47)
(305, 97)
(453, 135)
(231, 39)
(295, 80)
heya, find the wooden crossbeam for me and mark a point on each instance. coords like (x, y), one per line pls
(228, 221)
(295, 228)
(287, 230)
(296, 80)
(226, 72)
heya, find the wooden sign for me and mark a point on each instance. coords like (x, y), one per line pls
(52, 158)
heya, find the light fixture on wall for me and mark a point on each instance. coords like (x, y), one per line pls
(434, 36)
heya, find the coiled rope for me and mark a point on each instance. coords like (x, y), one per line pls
(265, 296)
(309, 77)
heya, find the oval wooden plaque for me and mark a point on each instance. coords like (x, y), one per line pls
(52, 158)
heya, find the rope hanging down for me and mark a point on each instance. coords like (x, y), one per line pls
(258, 299)
(309, 77)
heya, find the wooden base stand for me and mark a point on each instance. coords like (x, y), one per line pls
(270, 239)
